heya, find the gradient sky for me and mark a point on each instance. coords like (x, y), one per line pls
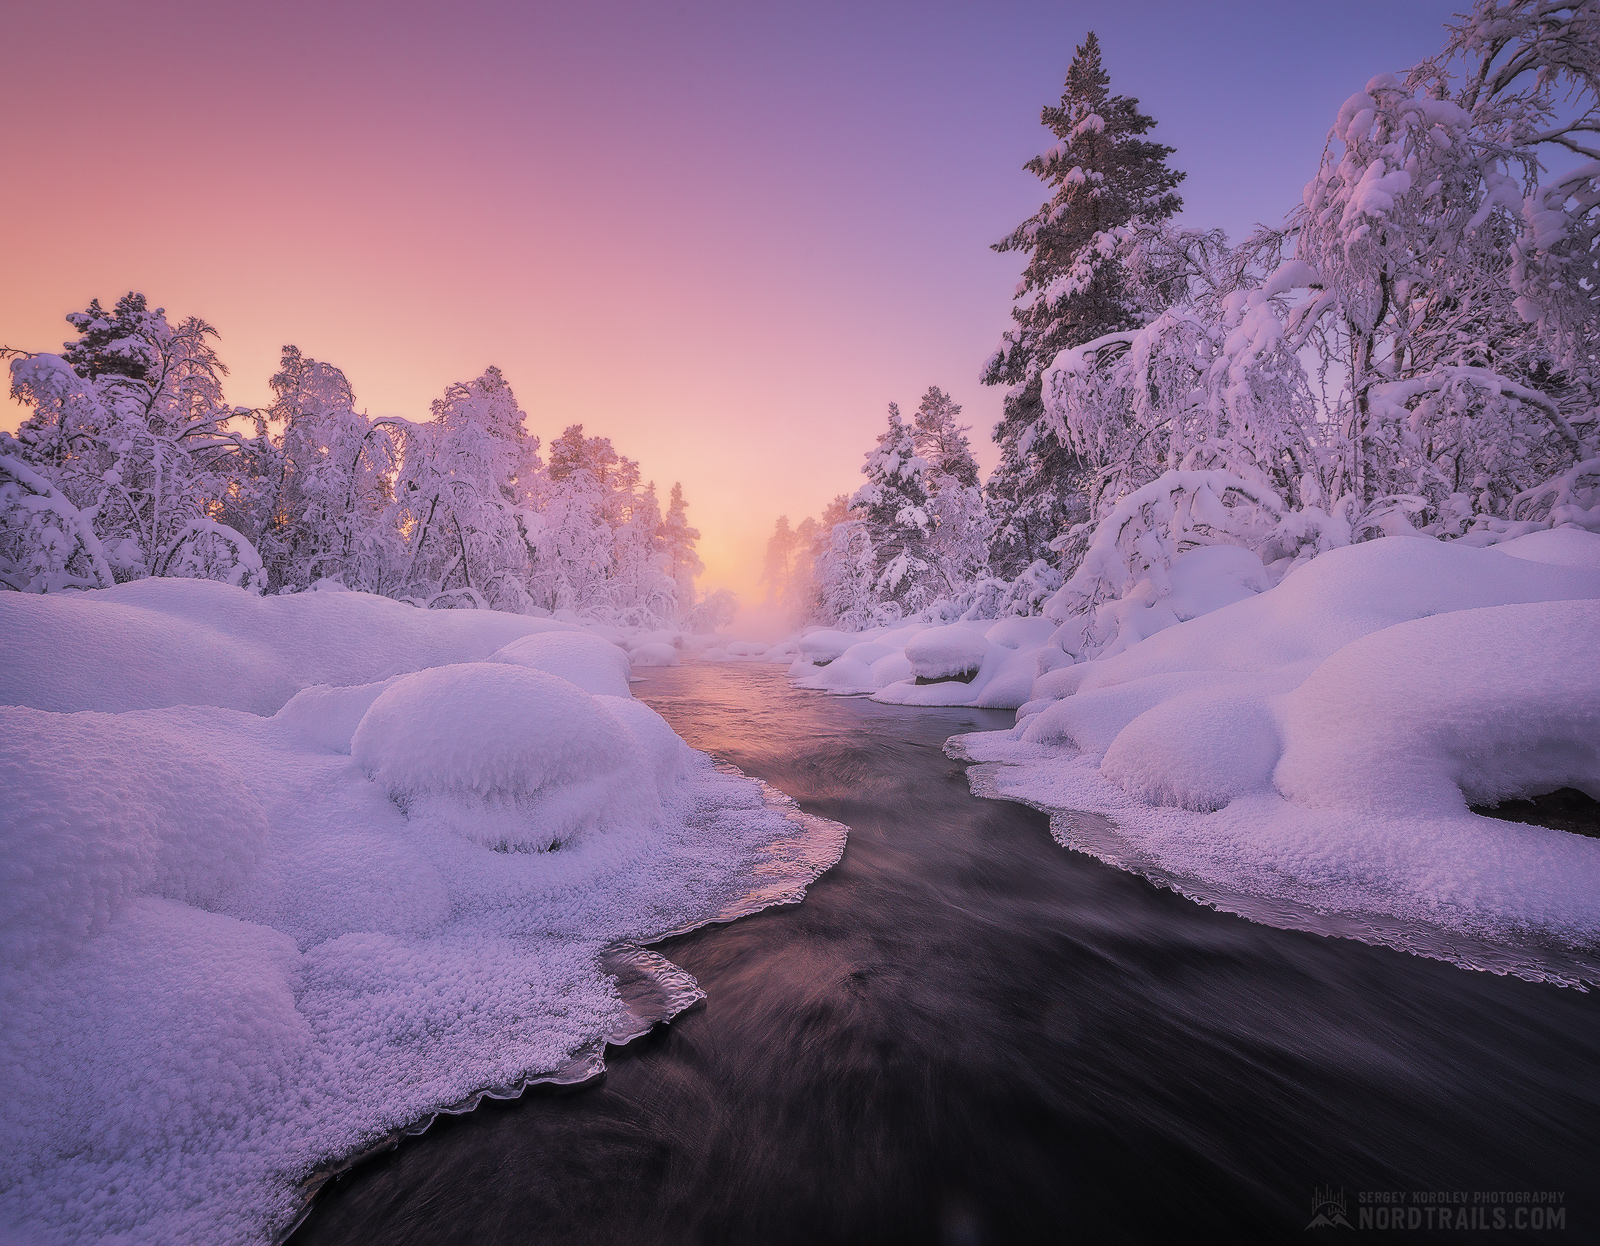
(724, 235)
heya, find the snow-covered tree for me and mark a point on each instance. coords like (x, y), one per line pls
(461, 499)
(1103, 176)
(678, 539)
(1455, 285)
(898, 519)
(314, 494)
(133, 437)
(845, 570)
(779, 561)
(957, 547)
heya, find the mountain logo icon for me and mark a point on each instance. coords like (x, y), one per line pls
(1328, 1211)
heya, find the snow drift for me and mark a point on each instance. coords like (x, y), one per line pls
(281, 877)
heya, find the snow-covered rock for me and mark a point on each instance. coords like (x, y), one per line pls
(951, 652)
(824, 645)
(655, 653)
(512, 757)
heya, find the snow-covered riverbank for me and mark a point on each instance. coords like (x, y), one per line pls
(1305, 749)
(285, 875)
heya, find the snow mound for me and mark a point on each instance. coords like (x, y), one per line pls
(946, 652)
(863, 667)
(1320, 743)
(824, 645)
(1565, 547)
(329, 716)
(98, 811)
(516, 758)
(655, 653)
(595, 665)
(1469, 708)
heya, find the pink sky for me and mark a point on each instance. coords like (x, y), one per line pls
(724, 236)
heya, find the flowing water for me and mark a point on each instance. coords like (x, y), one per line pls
(968, 1034)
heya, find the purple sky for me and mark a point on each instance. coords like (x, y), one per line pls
(724, 235)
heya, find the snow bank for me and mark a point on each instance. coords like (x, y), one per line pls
(993, 663)
(249, 947)
(160, 642)
(1321, 742)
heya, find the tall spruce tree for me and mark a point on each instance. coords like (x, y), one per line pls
(1103, 176)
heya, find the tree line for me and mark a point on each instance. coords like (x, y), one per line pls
(1415, 350)
(131, 464)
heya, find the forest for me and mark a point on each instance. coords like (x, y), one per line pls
(1414, 349)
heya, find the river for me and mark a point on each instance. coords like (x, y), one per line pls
(968, 1034)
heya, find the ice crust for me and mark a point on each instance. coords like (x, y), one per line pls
(1320, 743)
(281, 878)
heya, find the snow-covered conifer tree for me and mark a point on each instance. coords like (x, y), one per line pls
(779, 559)
(1103, 176)
(896, 512)
(958, 543)
(678, 539)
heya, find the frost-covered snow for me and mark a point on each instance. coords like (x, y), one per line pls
(1320, 742)
(281, 876)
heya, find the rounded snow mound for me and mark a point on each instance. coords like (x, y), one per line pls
(329, 716)
(1196, 751)
(824, 645)
(946, 652)
(662, 746)
(1561, 547)
(98, 811)
(592, 663)
(1472, 707)
(514, 758)
(655, 653)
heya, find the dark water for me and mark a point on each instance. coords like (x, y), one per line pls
(968, 1034)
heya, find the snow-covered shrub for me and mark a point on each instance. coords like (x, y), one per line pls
(46, 543)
